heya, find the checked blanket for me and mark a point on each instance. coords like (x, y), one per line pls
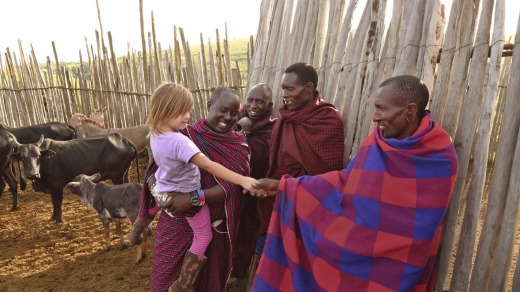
(374, 226)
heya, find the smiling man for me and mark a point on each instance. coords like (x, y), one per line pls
(256, 123)
(307, 138)
(375, 225)
(398, 109)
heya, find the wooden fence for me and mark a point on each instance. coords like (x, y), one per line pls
(475, 88)
(473, 77)
(34, 94)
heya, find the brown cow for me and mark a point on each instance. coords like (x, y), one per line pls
(111, 202)
(52, 164)
(78, 119)
(137, 134)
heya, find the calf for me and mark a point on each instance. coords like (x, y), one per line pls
(110, 202)
(52, 164)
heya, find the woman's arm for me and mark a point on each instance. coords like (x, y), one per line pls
(180, 203)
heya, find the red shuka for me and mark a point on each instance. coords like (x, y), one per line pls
(304, 142)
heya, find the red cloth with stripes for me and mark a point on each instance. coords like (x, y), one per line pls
(309, 141)
(173, 235)
(259, 140)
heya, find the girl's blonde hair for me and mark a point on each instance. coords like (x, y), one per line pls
(168, 100)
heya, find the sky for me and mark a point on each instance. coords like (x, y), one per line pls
(69, 22)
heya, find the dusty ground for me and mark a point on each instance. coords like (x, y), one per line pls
(37, 255)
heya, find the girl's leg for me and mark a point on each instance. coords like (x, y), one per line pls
(194, 258)
(202, 234)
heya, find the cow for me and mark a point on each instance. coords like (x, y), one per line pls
(52, 164)
(52, 130)
(31, 134)
(77, 119)
(136, 134)
(98, 115)
(7, 144)
(111, 202)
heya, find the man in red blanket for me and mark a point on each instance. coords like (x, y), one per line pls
(376, 225)
(307, 138)
(256, 123)
(216, 138)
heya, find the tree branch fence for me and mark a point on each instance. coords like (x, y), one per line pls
(32, 93)
(472, 72)
(474, 80)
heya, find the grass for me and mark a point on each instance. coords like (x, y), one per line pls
(237, 52)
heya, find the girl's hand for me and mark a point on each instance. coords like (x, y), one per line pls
(248, 187)
(248, 182)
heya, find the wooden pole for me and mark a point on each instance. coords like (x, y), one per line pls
(434, 38)
(450, 117)
(143, 46)
(410, 49)
(493, 221)
(444, 70)
(337, 65)
(462, 267)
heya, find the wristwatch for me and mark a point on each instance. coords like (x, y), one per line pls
(194, 198)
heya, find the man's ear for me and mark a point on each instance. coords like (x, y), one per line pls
(208, 104)
(412, 112)
(309, 87)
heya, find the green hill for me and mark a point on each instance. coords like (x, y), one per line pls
(237, 52)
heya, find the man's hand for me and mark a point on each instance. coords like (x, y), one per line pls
(180, 205)
(265, 187)
(245, 123)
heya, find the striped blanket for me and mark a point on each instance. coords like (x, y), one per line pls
(173, 235)
(374, 226)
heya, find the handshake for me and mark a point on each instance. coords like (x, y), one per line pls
(261, 188)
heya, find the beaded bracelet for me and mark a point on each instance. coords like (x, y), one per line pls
(202, 197)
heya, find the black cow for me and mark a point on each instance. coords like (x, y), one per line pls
(7, 144)
(31, 134)
(52, 164)
(110, 202)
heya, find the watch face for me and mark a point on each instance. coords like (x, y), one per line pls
(194, 199)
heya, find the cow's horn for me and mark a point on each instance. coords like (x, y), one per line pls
(72, 184)
(39, 143)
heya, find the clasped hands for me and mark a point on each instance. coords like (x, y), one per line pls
(263, 187)
(180, 202)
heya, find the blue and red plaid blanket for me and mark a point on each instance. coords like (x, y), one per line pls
(374, 226)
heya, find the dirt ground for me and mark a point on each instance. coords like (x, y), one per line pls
(38, 255)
